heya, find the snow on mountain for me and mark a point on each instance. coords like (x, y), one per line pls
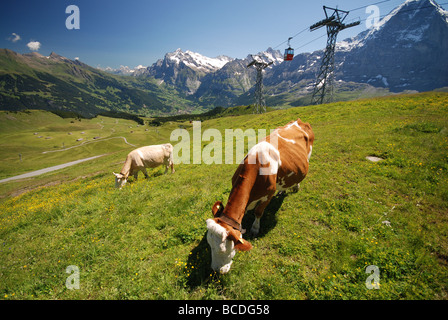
(405, 50)
(197, 61)
(123, 70)
(360, 39)
(184, 70)
(407, 11)
(272, 55)
(443, 13)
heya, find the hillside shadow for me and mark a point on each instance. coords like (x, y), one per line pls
(200, 258)
(141, 177)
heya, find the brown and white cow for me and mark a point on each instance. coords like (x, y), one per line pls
(142, 158)
(280, 161)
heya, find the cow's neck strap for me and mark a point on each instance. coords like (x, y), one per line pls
(231, 222)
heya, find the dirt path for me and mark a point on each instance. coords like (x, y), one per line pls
(89, 142)
(49, 169)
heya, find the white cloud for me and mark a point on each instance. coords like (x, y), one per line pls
(33, 45)
(14, 37)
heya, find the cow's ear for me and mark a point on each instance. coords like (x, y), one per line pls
(217, 208)
(243, 245)
(239, 243)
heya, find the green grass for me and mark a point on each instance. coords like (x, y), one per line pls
(26, 133)
(147, 241)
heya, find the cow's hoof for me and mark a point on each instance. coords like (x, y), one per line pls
(254, 232)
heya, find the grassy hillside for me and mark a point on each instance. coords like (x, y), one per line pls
(43, 139)
(147, 241)
(299, 95)
(32, 81)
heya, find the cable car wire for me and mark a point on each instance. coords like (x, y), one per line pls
(302, 31)
(369, 5)
(381, 17)
(405, 11)
(361, 20)
(298, 33)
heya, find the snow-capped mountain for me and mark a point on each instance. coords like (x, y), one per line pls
(270, 55)
(225, 85)
(189, 70)
(415, 19)
(123, 70)
(406, 50)
(197, 61)
(183, 69)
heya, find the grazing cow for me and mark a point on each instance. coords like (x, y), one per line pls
(142, 158)
(278, 162)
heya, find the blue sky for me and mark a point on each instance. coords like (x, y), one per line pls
(134, 32)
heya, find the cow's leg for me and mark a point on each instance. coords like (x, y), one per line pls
(171, 162)
(259, 210)
(166, 164)
(145, 173)
(255, 226)
(136, 175)
(295, 188)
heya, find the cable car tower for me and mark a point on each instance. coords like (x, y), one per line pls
(260, 65)
(334, 18)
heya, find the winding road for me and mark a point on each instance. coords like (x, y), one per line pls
(65, 165)
(49, 169)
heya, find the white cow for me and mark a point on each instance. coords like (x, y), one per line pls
(142, 158)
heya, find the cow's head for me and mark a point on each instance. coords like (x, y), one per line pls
(223, 241)
(120, 180)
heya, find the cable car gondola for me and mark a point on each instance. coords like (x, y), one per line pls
(289, 53)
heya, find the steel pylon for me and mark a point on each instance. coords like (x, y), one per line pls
(324, 85)
(260, 65)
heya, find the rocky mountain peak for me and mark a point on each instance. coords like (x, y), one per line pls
(197, 61)
(416, 32)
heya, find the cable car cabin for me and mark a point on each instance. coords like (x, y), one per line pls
(289, 54)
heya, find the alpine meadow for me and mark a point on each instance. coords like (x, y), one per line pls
(290, 154)
(147, 240)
